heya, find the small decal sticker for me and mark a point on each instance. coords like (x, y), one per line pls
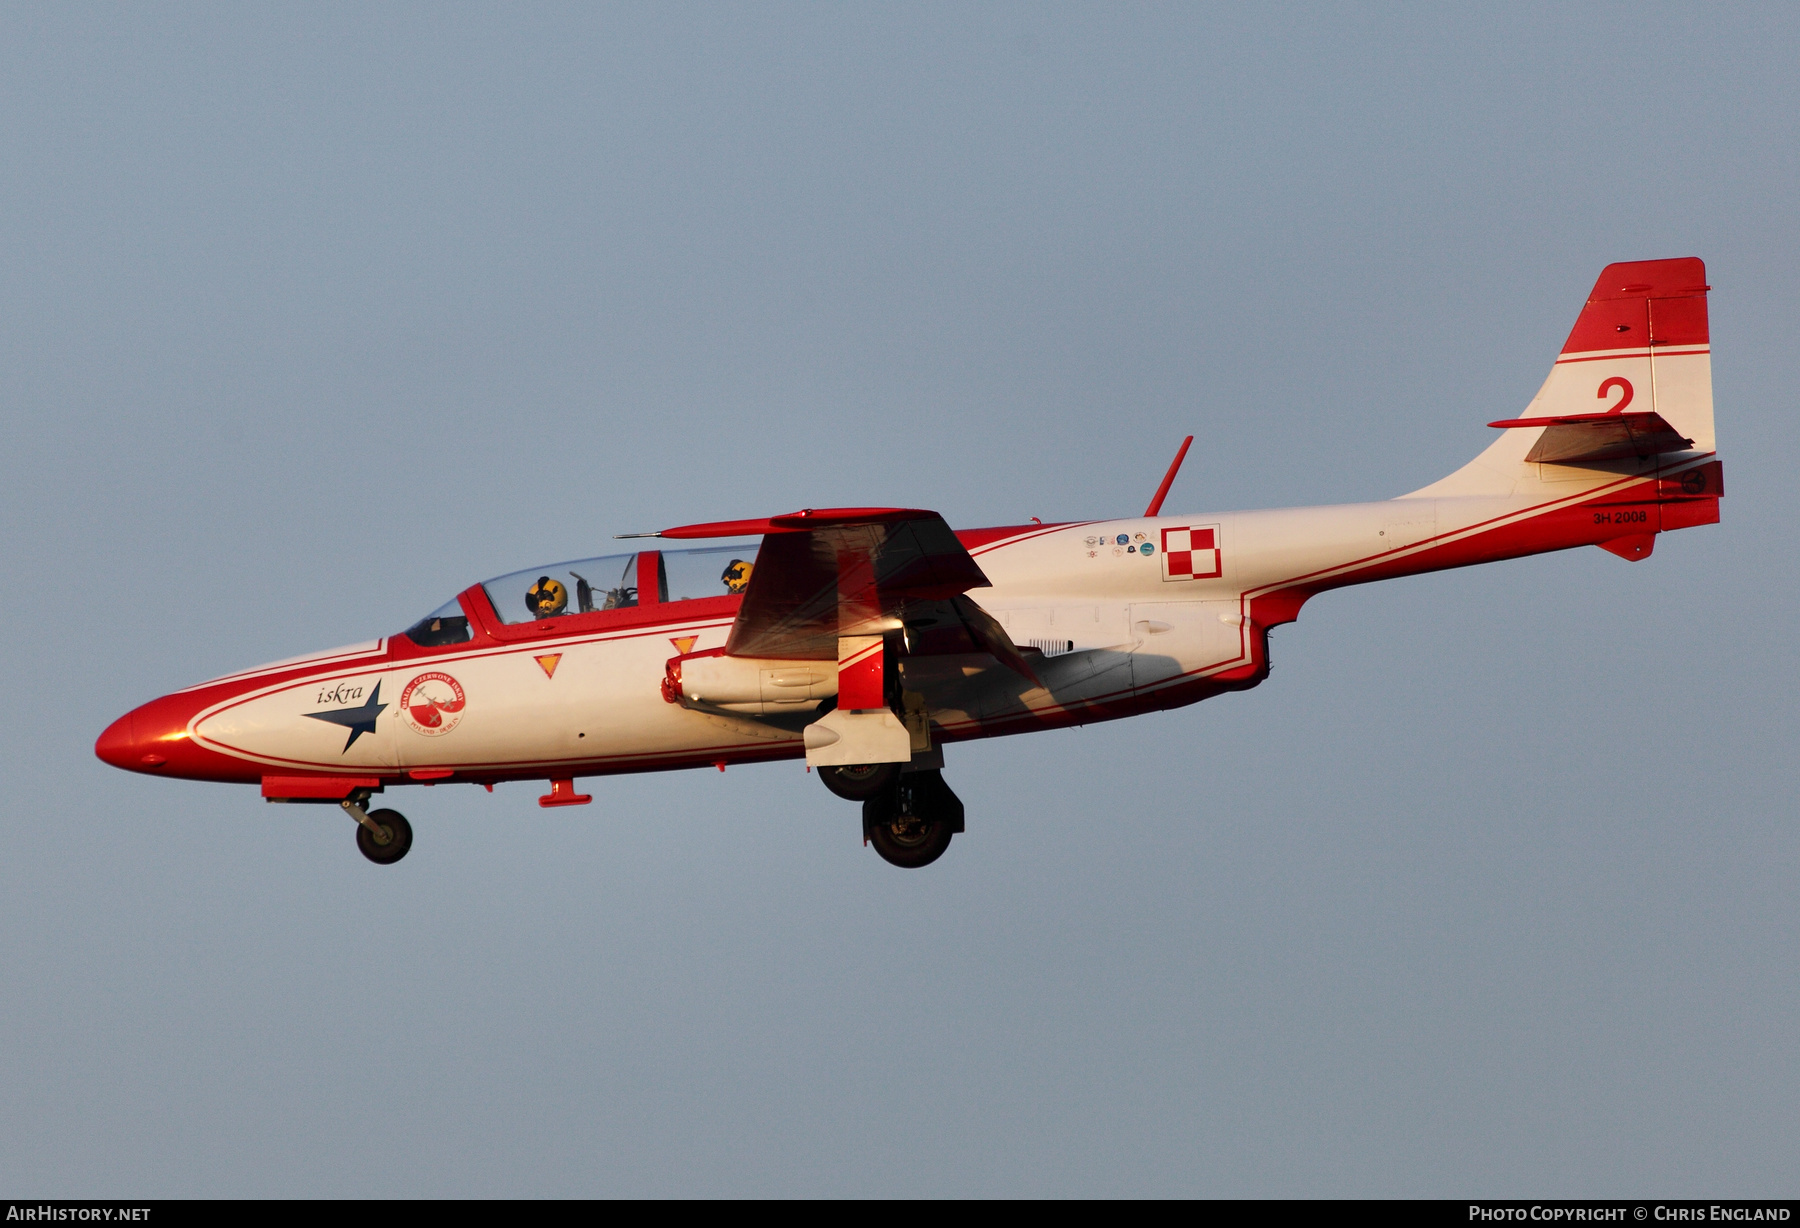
(432, 704)
(549, 663)
(1122, 538)
(1131, 550)
(1147, 549)
(1139, 536)
(1118, 552)
(684, 644)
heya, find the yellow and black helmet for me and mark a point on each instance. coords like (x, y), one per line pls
(737, 575)
(547, 598)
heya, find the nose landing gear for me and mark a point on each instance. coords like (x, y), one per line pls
(384, 836)
(910, 823)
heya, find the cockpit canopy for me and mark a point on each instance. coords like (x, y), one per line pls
(445, 625)
(615, 581)
(588, 586)
(581, 586)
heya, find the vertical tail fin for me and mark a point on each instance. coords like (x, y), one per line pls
(1641, 339)
(1640, 346)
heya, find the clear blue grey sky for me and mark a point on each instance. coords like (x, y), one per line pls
(312, 315)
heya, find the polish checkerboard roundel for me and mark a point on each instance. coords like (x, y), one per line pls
(1191, 553)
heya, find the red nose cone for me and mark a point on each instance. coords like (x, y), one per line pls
(154, 739)
(118, 746)
(138, 742)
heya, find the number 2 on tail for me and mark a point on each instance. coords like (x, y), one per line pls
(1616, 382)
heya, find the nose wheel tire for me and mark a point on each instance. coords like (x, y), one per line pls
(398, 837)
(859, 783)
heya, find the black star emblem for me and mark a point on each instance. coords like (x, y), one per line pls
(357, 720)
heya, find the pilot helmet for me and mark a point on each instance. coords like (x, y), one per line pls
(547, 598)
(737, 575)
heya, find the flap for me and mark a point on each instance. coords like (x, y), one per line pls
(822, 574)
(987, 632)
(1578, 438)
(959, 627)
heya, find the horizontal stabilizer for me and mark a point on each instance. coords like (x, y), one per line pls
(1579, 438)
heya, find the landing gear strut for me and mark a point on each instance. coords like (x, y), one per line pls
(384, 836)
(911, 821)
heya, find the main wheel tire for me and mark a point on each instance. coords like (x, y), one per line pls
(904, 839)
(860, 783)
(399, 838)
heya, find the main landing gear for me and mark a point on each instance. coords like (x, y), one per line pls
(908, 816)
(859, 783)
(384, 836)
(910, 822)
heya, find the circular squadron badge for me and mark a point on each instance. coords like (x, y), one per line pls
(432, 704)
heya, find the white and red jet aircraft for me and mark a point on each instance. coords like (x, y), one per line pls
(864, 639)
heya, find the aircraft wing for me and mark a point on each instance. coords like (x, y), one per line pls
(822, 574)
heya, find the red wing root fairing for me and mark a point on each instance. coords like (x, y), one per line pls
(863, 640)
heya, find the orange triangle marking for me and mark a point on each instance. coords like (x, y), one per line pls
(684, 644)
(548, 664)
